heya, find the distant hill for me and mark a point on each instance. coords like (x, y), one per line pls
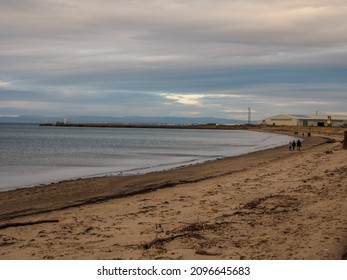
(130, 120)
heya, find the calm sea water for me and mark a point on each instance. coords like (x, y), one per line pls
(32, 155)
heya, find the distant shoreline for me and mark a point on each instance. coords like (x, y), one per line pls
(173, 126)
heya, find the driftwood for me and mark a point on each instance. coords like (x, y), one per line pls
(27, 223)
(205, 253)
(162, 240)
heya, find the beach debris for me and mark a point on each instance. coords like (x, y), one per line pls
(88, 229)
(185, 232)
(205, 253)
(163, 240)
(8, 240)
(3, 226)
(272, 204)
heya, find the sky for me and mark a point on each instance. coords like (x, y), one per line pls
(192, 58)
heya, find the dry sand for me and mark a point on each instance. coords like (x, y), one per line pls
(274, 204)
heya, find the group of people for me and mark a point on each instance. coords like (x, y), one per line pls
(303, 134)
(294, 144)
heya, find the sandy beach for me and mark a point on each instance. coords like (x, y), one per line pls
(273, 204)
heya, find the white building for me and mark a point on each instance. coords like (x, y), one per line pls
(306, 120)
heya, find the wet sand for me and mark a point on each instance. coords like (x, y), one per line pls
(273, 204)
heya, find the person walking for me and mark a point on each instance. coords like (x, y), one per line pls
(298, 145)
(293, 145)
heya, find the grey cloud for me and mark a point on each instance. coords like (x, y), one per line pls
(120, 51)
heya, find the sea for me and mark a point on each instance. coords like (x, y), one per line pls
(33, 155)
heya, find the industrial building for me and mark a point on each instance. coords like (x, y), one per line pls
(306, 120)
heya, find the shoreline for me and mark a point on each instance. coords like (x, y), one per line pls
(131, 170)
(110, 163)
(101, 188)
(270, 204)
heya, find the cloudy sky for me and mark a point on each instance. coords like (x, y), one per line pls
(173, 57)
